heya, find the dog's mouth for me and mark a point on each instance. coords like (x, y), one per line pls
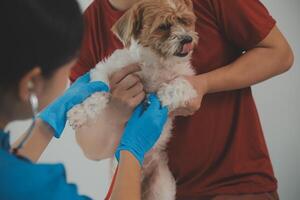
(185, 50)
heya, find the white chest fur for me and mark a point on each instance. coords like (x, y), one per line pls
(163, 76)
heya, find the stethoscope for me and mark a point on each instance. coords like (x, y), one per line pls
(34, 103)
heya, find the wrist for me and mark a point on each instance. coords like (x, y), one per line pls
(204, 83)
(126, 155)
(119, 111)
(138, 156)
(200, 84)
(51, 123)
(44, 126)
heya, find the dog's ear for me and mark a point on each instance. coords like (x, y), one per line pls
(189, 3)
(129, 25)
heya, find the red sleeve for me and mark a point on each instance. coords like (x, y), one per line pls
(245, 23)
(89, 53)
(98, 41)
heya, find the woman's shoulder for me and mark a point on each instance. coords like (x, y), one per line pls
(20, 177)
(11, 165)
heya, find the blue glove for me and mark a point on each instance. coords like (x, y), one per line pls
(143, 129)
(56, 113)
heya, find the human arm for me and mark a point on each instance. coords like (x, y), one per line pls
(128, 179)
(271, 57)
(51, 121)
(249, 27)
(141, 133)
(99, 139)
(42, 135)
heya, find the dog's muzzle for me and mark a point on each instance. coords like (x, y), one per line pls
(186, 46)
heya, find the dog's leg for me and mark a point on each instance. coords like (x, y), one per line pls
(165, 137)
(165, 186)
(159, 183)
(176, 93)
(92, 106)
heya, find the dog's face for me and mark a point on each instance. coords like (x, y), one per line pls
(167, 27)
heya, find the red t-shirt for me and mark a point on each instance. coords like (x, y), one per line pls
(220, 149)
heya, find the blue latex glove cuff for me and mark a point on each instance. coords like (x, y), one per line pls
(137, 155)
(143, 129)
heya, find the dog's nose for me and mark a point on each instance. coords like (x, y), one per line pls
(186, 39)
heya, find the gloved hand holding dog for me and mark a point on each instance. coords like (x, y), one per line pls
(143, 129)
(55, 114)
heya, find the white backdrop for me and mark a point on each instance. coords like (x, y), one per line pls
(278, 102)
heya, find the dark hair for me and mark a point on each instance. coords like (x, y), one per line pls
(44, 33)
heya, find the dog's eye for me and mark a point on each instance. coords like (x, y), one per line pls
(165, 27)
(184, 21)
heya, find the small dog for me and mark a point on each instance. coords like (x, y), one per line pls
(160, 35)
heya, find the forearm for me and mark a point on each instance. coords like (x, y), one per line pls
(99, 139)
(37, 143)
(141, 133)
(253, 67)
(128, 180)
(271, 57)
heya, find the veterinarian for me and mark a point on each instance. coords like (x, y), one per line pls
(219, 152)
(39, 44)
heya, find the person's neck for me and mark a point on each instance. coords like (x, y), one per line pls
(3, 122)
(122, 4)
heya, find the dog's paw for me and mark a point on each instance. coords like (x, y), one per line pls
(95, 104)
(80, 114)
(176, 93)
(77, 116)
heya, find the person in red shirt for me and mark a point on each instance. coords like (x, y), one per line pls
(219, 152)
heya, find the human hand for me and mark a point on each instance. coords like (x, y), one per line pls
(193, 105)
(126, 87)
(55, 114)
(143, 129)
(127, 90)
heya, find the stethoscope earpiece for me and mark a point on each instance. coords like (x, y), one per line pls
(30, 85)
(34, 103)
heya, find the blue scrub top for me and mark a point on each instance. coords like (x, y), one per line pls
(21, 179)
